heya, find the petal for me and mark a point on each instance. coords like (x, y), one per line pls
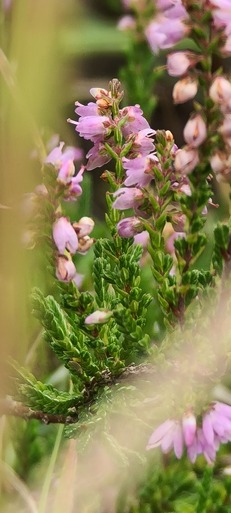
(157, 435)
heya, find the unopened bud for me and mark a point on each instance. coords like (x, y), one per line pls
(129, 227)
(65, 269)
(179, 62)
(195, 131)
(85, 244)
(185, 90)
(189, 427)
(98, 317)
(220, 90)
(84, 226)
(186, 160)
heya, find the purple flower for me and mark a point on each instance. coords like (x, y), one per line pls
(129, 227)
(128, 198)
(135, 120)
(139, 171)
(215, 429)
(143, 143)
(168, 435)
(64, 236)
(164, 32)
(58, 157)
(97, 156)
(93, 128)
(142, 238)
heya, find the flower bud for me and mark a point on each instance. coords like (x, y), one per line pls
(85, 244)
(84, 226)
(65, 269)
(127, 23)
(129, 227)
(98, 317)
(186, 160)
(179, 62)
(185, 90)
(220, 90)
(64, 236)
(218, 162)
(195, 131)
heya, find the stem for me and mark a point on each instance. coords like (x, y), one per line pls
(50, 471)
(8, 75)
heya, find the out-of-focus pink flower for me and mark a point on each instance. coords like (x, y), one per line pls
(186, 160)
(185, 90)
(127, 23)
(85, 243)
(168, 27)
(225, 129)
(220, 90)
(98, 317)
(189, 425)
(59, 156)
(169, 244)
(195, 131)
(127, 197)
(178, 63)
(168, 436)
(129, 227)
(142, 238)
(205, 439)
(65, 236)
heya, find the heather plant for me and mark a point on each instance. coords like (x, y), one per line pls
(144, 335)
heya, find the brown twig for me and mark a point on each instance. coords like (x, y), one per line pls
(16, 409)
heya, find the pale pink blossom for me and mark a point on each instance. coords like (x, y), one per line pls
(84, 226)
(220, 90)
(195, 131)
(129, 227)
(186, 160)
(184, 90)
(64, 236)
(128, 197)
(135, 121)
(127, 23)
(142, 238)
(178, 63)
(98, 317)
(139, 171)
(65, 269)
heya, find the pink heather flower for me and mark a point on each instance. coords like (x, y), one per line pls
(58, 157)
(91, 109)
(220, 90)
(64, 236)
(97, 156)
(135, 120)
(189, 426)
(129, 227)
(168, 27)
(185, 90)
(65, 269)
(84, 226)
(74, 189)
(225, 129)
(186, 160)
(128, 198)
(98, 317)
(178, 63)
(143, 143)
(93, 128)
(169, 244)
(142, 238)
(195, 131)
(139, 171)
(127, 23)
(169, 436)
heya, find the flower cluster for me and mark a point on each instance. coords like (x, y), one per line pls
(167, 26)
(69, 239)
(175, 434)
(220, 93)
(63, 161)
